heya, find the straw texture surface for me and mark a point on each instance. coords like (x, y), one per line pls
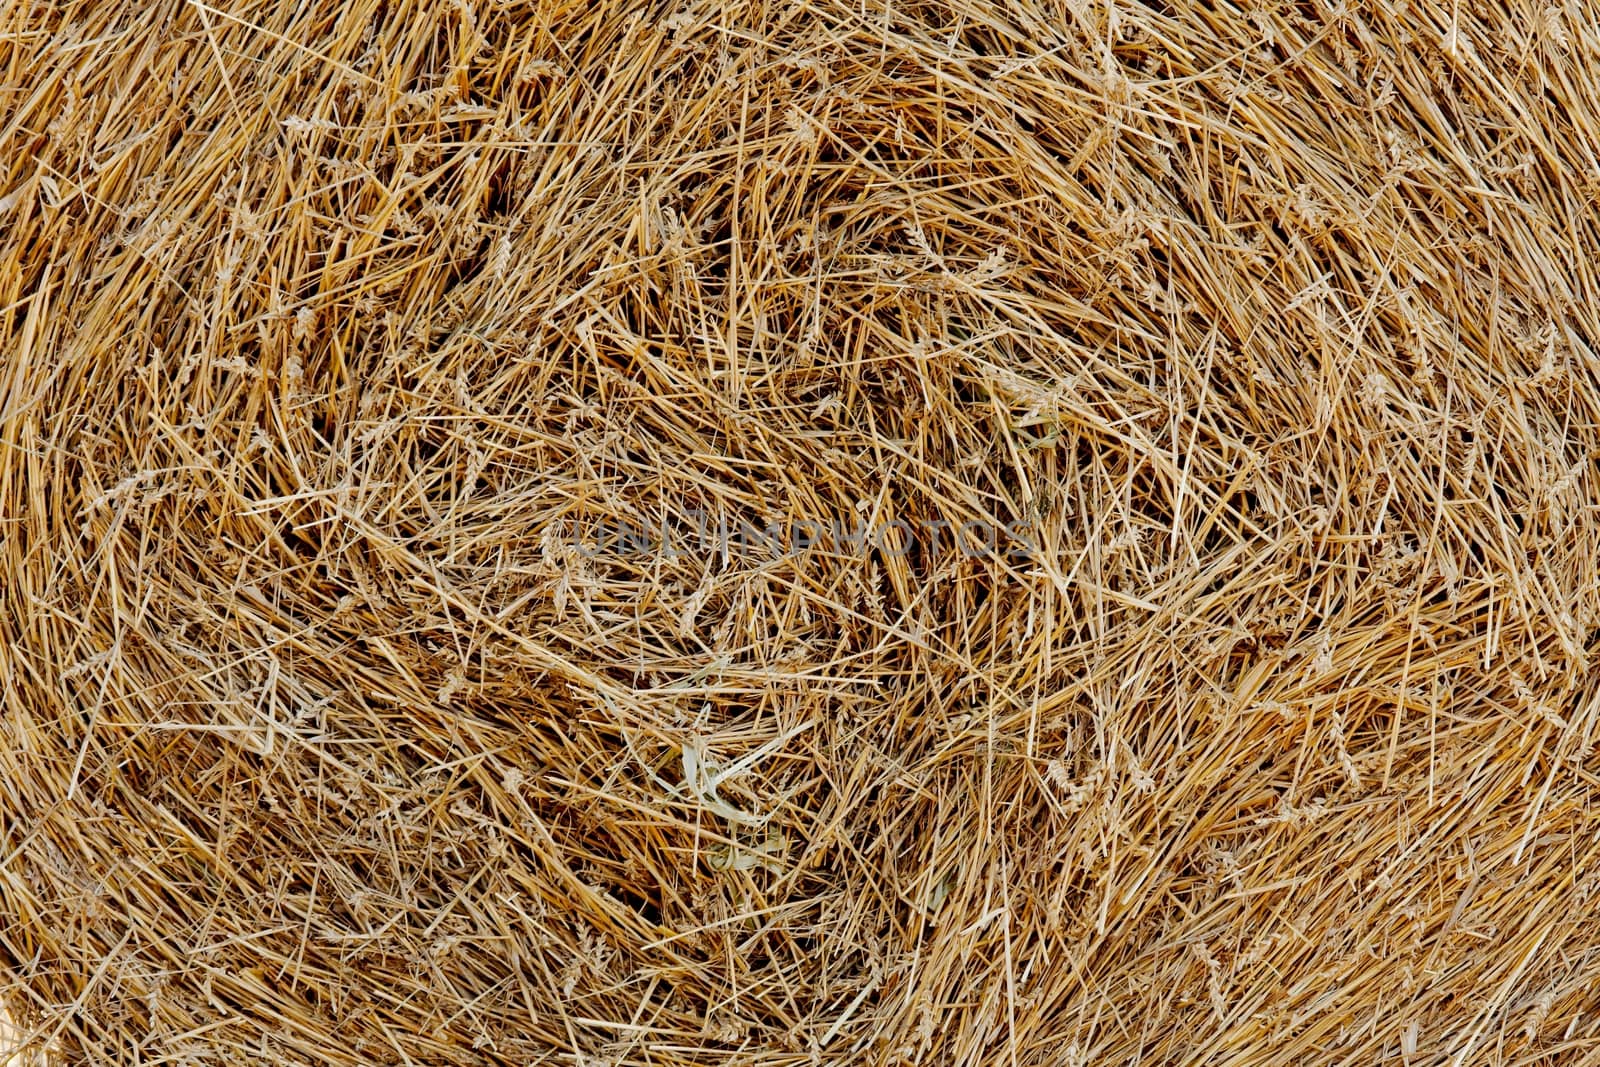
(841, 532)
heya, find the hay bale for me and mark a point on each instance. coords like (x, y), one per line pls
(849, 533)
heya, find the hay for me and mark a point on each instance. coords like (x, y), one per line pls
(947, 533)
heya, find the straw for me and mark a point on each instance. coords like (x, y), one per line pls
(840, 533)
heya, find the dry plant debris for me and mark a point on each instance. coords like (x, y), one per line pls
(332, 334)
